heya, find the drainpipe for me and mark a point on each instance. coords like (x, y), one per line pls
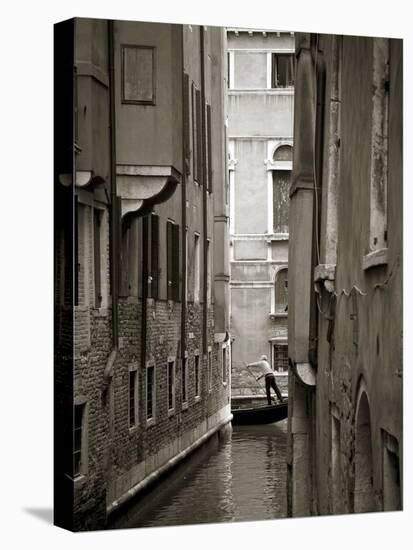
(204, 191)
(114, 210)
(183, 203)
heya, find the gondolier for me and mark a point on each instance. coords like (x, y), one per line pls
(270, 381)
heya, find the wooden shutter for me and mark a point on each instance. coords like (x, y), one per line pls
(199, 136)
(169, 252)
(175, 262)
(186, 107)
(194, 133)
(75, 266)
(154, 272)
(96, 256)
(209, 148)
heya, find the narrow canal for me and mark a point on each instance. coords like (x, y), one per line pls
(242, 478)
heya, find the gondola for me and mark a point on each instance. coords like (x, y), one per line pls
(260, 415)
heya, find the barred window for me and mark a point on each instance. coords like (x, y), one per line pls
(280, 357)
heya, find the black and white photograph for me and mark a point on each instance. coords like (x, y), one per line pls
(226, 279)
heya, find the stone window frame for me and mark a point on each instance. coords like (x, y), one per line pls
(133, 367)
(151, 420)
(272, 146)
(82, 401)
(278, 341)
(270, 68)
(277, 314)
(171, 410)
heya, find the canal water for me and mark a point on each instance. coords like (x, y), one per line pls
(241, 478)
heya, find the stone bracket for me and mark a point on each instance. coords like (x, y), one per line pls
(305, 373)
(141, 187)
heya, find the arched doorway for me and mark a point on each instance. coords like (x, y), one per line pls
(363, 486)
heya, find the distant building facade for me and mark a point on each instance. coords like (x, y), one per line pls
(345, 442)
(260, 140)
(141, 269)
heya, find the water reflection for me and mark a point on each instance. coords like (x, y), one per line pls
(242, 478)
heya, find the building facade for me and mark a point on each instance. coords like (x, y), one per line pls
(141, 270)
(345, 446)
(260, 139)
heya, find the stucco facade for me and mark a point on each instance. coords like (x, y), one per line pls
(260, 139)
(345, 444)
(141, 290)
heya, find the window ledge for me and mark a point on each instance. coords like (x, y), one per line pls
(133, 429)
(171, 412)
(375, 258)
(197, 398)
(150, 422)
(184, 406)
(225, 384)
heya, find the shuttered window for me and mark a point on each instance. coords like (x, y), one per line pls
(209, 147)
(68, 255)
(187, 142)
(199, 137)
(154, 257)
(96, 255)
(172, 237)
(194, 133)
(175, 263)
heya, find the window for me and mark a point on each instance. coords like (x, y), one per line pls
(171, 385)
(150, 392)
(208, 271)
(172, 261)
(281, 291)
(196, 268)
(197, 133)
(138, 75)
(224, 363)
(187, 143)
(209, 147)
(281, 199)
(76, 265)
(153, 264)
(97, 219)
(78, 440)
(280, 357)
(132, 398)
(282, 70)
(209, 369)
(184, 381)
(197, 376)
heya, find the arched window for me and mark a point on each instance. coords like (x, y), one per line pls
(283, 152)
(281, 291)
(281, 189)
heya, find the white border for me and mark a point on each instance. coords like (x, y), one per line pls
(26, 41)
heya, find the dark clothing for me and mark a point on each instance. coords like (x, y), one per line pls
(271, 383)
